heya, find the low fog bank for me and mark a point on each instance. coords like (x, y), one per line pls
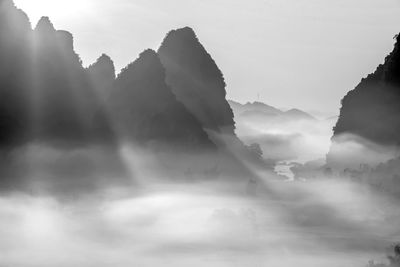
(135, 206)
(295, 144)
(43, 169)
(167, 215)
(303, 149)
(287, 139)
(360, 160)
(351, 151)
(181, 224)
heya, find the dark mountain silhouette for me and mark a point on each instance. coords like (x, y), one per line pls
(102, 74)
(53, 127)
(67, 108)
(372, 109)
(51, 106)
(196, 80)
(46, 94)
(147, 111)
(15, 77)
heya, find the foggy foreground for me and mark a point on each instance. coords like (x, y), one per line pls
(163, 218)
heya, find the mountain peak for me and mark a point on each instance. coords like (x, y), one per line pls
(45, 25)
(147, 111)
(103, 63)
(148, 53)
(147, 61)
(184, 33)
(392, 64)
(105, 58)
(260, 106)
(188, 31)
(102, 74)
(193, 74)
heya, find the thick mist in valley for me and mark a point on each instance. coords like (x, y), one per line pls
(155, 165)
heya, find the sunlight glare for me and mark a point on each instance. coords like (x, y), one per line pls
(55, 9)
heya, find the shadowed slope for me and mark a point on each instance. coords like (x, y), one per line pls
(66, 106)
(15, 37)
(372, 109)
(369, 119)
(54, 133)
(45, 93)
(147, 111)
(102, 74)
(196, 80)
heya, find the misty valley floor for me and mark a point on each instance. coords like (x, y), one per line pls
(314, 223)
(167, 217)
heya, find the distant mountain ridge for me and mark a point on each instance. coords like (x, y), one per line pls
(261, 109)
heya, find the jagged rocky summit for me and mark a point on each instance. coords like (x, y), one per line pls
(146, 110)
(196, 80)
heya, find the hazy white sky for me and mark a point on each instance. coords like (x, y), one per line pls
(294, 53)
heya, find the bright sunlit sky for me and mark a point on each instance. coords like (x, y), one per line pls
(293, 53)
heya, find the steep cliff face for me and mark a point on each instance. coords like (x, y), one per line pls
(370, 114)
(147, 111)
(196, 80)
(372, 109)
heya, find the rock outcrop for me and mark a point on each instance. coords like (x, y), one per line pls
(372, 109)
(196, 80)
(370, 114)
